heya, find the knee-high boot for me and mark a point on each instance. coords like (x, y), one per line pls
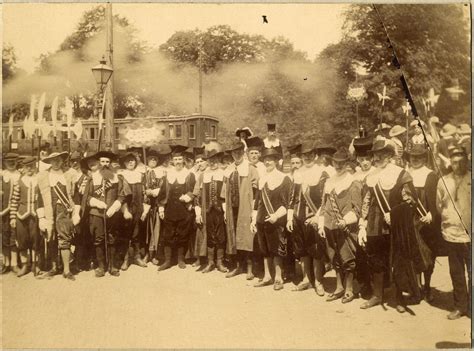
(376, 298)
(220, 261)
(167, 263)
(113, 270)
(99, 253)
(137, 256)
(210, 261)
(181, 263)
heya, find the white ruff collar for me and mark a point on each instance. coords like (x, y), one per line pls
(330, 170)
(242, 168)
(132, 177)
(309, 176)
(339, 183)
(180, 176)
(271, 143)
(360, 174)
(7, 176)
(387, 177)
(210, 175)
(29, 181)
(56, 177)
(273, 179)
(419, 176)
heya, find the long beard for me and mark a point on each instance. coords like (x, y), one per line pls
(107, 173)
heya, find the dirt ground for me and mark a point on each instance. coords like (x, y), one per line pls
(185, 309)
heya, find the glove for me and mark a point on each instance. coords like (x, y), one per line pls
(386, 217)
(427, 219)
(185, 198)
(42, 224)
(253, 223)
(101, 205)
(321, 230)
(146, 209)
(161, 212)
(225, 213)
(272, 218)
(13, 223)
(76, 218)
(362, 236)
(113, 209)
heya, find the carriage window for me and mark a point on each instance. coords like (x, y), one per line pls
(213, 132)
(178, 131)
(91, 133)
(172, 131)
(192, 131)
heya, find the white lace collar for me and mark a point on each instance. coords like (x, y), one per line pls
(56, 177)
(309, 176)
(7, 176)
(210, 175)
(273, 179)
(339, 183)
(29, 180)
(419, 176)
(271, 143)
(180, 176)
(387, 177)
(132, 176)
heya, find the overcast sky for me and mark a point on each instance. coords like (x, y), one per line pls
(34, 29)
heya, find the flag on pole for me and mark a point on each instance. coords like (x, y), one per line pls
(101, 115)
(54, 114)
(69, 111)
(10, 125)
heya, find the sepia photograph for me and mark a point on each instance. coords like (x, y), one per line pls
(236, 175)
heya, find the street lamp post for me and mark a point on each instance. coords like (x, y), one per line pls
(102, 74)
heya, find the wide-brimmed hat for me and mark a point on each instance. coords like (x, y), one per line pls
(238, 145)
(254, 143)
(415, 150)
(307, 147)
(246, 130)
(178, 150)
(457, 151)
(434, 120)
(325, 149)
(464, 129)
(75, 155)
(294, 150)
(341, 155)
(129, 156)
(163, 149)
(28, 160)
(415, 123)
(84, 163)
(10, 156)
(382, 126)
(64, 155)
(381, 145)
(213, 153)
(106, 154)
(396, 131)
(363, 145)
(152, 153)
(271, 152)
(448, 130)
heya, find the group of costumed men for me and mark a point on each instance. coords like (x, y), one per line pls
(375, 213)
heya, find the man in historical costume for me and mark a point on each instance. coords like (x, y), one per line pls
(175, 208)
(453, 201)
(154, 179)
(271, 140)
(197, 246)
(105, 194)
(44, 152)
(238, 191)
(295, 158)
(58, 212)
(324, 154)
(254, 152)
(306, 197)
(427, 219)
(417, 133)
(10, 177)
(386, 228)
(395, 133)
(135, 210)
(243, 134)
(23, 219)
(269, 217)
(210, 213)
(364, 159)
(338, 220)
(464, 132)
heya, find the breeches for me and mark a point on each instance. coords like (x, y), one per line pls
(8, 235)
(307, 241)
(272, 239)
(215, 228)
(378, 253)
(98, 229)
(342, 249)
(176, 232)
(27, 233)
